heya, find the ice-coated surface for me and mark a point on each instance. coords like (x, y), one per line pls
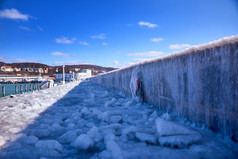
(74, 121)
(199, 83)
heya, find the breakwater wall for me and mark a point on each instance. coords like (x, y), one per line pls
(199, 83)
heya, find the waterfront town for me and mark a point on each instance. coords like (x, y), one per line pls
(26, 72)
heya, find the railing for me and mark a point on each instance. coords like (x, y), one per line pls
(9, 89)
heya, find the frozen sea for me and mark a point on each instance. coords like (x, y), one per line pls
(85, 120)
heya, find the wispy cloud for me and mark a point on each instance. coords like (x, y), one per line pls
(14, 14)
(65, 40)
(24, 28)
(58, 63)
(147, 54)
(104, 43)
(83, 43)
(99, 36)
(5, 59)
(178, 46)
(116, 62)
(59, 54)
(156, 39)
(140, 60)
(148, 24)
(40, 28)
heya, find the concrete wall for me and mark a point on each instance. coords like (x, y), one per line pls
(200, 83)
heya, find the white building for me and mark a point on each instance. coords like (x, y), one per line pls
(86, 73)
(6, 69)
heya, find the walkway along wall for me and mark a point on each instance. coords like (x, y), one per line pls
(200, 83)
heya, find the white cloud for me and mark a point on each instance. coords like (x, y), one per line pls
(5, 59)
(178, 46)
(13, 14)
(99, 36)
(59, 63)
(59, 54)
(24, 28)
(156, 39)
(65, 40)
(150, 25)
(116, 62)
(104, 43)
(147, 54)
(83, 43)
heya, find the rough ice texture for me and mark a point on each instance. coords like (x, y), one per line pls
(133, 135)
(199, 83)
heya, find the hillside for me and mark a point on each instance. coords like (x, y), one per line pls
(57, 69)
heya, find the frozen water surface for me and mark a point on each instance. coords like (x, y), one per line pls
(85, 120)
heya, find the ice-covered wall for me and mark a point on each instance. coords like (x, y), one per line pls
(200, 83)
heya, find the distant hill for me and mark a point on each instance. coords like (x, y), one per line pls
(58, 69)
(32, 65)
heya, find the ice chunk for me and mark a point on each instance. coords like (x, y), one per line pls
(19, 137)
(129, 133)
(48, 153)
(94, 134)
(109, 136)
(148, 138)
(166, 116)
(32, 140)
(104, 116)
(68, 137)
(56, 129)
(175, 135)
(115, 150)
(105, 155)
(83, 142)
(85, 111)
(116, 118)
(49, 144)
(153, 116)
(110, 103)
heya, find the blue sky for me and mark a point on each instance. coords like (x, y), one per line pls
(113, 33)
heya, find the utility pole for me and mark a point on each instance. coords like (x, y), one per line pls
(73, 77)
(63, 75)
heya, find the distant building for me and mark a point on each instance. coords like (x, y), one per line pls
(16, 69)
(45, 70)
(76, 69)
(86, 73)
(40, 70)
(6, 68)
(27, 69)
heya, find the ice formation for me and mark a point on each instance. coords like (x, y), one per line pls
(73, 121)
(136, 84)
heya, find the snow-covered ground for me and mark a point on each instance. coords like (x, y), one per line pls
(85, 120)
